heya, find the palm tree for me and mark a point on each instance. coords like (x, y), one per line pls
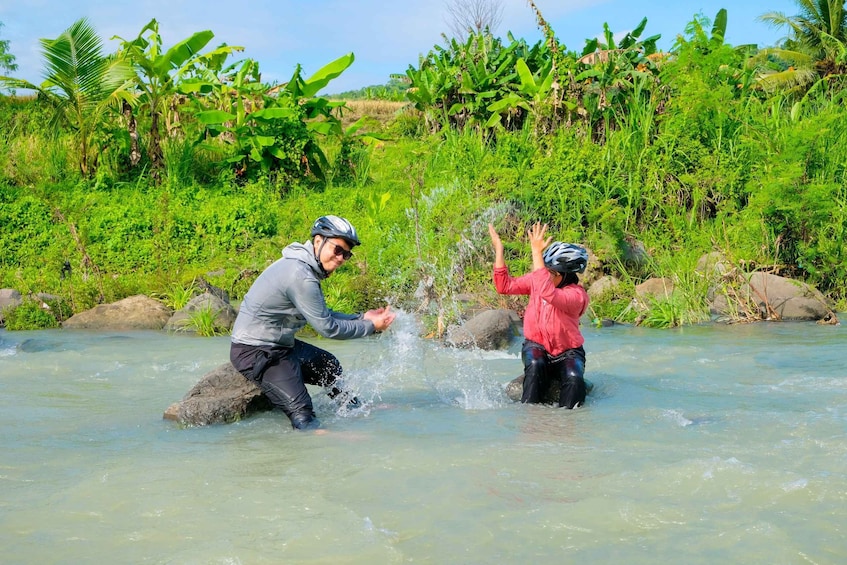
(816, 20)
(815, 48)
(81, 84)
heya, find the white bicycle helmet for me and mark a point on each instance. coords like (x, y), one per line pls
(565, 257)
(334, 226)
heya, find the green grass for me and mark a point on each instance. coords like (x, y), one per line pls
(204, 322)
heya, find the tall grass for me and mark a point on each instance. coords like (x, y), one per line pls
(204, 322)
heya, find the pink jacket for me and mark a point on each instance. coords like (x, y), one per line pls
(552, 316)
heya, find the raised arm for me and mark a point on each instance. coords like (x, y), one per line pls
(538, 243)
(499, 261)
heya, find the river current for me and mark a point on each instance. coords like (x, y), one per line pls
(707, 444)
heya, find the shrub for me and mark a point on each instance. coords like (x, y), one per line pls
(30, 315)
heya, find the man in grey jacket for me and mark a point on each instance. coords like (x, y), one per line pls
(283, 299)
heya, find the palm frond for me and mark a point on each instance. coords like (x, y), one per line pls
(791, 57)
(789, 79)
(74, 63)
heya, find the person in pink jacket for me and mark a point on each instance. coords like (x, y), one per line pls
(553, 343)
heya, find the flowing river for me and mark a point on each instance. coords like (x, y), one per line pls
(708, 444)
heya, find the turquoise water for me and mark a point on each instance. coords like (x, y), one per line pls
(700, 445)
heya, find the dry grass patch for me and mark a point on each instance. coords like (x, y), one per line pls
(383, 111)
(24, 159)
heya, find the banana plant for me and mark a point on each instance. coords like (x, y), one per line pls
(610, 70)
(158, 73)
(630, 41)
(428, 88)
(455, 85)
(353, 158)
(279, 131)
(533, 91)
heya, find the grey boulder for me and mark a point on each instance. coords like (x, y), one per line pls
(490, 329)
(134, 313)
(223, 395)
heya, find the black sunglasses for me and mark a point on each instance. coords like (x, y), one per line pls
(345, 254)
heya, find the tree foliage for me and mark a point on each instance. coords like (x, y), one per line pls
(159, 72)
(7, 60)
(815, 48)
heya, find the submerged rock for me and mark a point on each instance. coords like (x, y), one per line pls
(223, 395)
(40, 345)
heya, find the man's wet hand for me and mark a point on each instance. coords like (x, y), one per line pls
(380, 317)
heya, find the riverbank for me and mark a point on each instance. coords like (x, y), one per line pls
(421, 205)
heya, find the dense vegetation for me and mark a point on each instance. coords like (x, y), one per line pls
(158, 167)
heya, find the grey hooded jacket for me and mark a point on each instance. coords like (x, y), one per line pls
(285, 297)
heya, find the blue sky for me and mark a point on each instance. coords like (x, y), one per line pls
(385, 36)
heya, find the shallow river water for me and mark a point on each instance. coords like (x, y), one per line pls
(712, 444)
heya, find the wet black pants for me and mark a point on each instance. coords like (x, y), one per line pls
(540, 369)
(283, 373)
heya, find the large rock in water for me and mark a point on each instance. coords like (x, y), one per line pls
(223, 395)
(490, 329)
(134, 313)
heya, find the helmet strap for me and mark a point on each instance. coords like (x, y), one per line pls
(318, 254)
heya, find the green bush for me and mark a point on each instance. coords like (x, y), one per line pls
(30, 315)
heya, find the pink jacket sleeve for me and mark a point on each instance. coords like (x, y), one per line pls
(506, 284)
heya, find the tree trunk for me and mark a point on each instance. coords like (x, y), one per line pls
(83, 152)
(132, 128)
(155, 150)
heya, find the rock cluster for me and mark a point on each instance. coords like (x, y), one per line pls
(733, 295)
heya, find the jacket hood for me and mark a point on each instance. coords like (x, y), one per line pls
(305, 253)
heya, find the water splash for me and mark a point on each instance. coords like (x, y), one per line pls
(404, 360)
(470, 388)
(371, 528)
(469, 384)
(399, 357)
(676, 417)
